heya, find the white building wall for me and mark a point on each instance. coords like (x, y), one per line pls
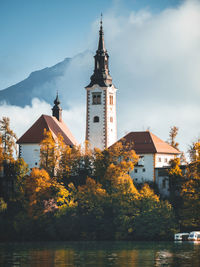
(111, 116)
(163, 185)
(104, 133)
(162, 160)
(96, 131)
(145, 171)
(31, 154)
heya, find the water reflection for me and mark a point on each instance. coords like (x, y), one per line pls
(115, 254)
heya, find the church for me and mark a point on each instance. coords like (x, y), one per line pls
(101, 127)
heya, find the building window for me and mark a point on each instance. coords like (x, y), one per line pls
(96, 119)
(96, 98)
(165, 159)
(143, 169)
(111, 99)
(111, 119)
(135, 170)
(36, 163)
(159, 160)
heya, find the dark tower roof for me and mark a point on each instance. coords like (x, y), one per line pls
(101, 75)
(56, 110)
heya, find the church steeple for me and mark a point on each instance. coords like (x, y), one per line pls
(101, 74)
(101, 118)
(56, 110)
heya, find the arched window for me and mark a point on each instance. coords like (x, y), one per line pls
(96, 119)
(96, 98)
(111, 99)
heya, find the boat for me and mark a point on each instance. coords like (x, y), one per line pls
(181, 236)
(194, 236)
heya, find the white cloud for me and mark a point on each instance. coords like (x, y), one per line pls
(155, 63)
(23, 118)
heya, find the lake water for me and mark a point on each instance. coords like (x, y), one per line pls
(119, 254)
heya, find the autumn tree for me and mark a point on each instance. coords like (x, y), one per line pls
(20, 171)
(194, 151)
(125, 205)
(75, 164)
(92, 200)
(8, 139)
(176, 179)
(155, 219)
(172, 136)
(44, 194)
(114, 164)
(50, 152)
(1, 156)
(190, 193)
(1, 152)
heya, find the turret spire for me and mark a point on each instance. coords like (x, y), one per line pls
(56, 110)
(101, 46)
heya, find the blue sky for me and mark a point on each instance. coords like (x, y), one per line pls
(154, 48)
(40, 33)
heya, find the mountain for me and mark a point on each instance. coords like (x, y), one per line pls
(67, 77)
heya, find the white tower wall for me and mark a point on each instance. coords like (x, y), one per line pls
(103, 133)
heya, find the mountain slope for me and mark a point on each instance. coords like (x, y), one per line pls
(23, 92)
(67, 77)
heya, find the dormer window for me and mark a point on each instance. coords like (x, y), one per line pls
(96, 98)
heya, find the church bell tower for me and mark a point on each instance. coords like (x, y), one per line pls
(101, 120)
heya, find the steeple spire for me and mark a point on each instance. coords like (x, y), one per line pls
(56, 110)
(101, 74)
(101, 46)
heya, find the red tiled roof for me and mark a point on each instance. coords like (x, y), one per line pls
(34, 135)
(147, 143)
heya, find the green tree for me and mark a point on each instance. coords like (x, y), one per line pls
(1, 152)
(8, 138)
(20, 173)
(91, 199)
(190, 217)
(156, 220)
(176, 179)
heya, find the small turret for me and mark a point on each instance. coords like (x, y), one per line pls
(56, 110)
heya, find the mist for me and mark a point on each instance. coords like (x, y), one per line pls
(155, 64)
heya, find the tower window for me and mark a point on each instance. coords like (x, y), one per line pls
(96, 98)
(111, 119)
(96, 119)
(111, 99)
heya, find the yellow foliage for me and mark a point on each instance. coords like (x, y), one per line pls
(40, 189)
(147, 193)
